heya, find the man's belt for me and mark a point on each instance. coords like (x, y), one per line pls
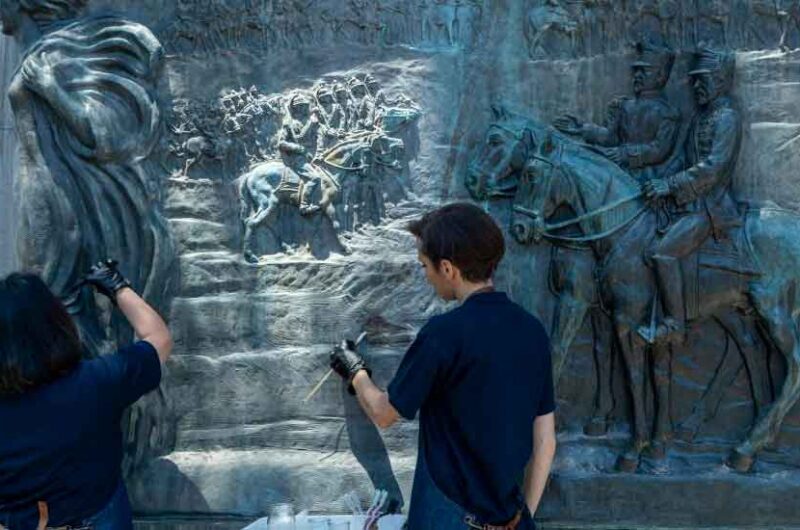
(44, 517)
(511, 525)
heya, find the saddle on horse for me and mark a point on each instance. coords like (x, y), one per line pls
(729, 254)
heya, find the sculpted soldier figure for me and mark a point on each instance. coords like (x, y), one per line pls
(640, 132)
(333, 118)
(703, 204)
(343, 99)
(375, 90)
(298, 143)
(362, 114)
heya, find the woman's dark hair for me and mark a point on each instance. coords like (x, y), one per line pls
(463, 234)
(38, 339)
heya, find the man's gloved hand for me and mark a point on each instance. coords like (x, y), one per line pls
(105, 277)
(346, 362)
(655, 189)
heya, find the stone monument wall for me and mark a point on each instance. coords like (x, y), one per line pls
(9, 157)
(297, 139)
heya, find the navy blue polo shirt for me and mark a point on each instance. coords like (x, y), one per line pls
(62, 443)
(480, 374)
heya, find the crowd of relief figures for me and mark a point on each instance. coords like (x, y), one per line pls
(549, 28)
(336, 153)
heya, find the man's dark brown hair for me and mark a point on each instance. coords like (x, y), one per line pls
(39, 343)
(463, 234)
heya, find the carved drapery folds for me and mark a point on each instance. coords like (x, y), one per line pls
(85, 105)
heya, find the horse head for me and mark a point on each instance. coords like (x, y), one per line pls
(386, 151)
(575, 188)
(393, 119)
(507, 145)
(540, 192)
(361, 153)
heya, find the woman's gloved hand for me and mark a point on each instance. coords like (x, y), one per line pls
(106, 278)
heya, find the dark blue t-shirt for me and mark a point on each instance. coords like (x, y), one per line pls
(62, 443)
(480, 374)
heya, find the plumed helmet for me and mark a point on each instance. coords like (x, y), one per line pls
(369, 79)
(324, 91)
(355, 82)
(300, 98)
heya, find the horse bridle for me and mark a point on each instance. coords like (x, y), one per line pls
(542, 229)
(377, 160)
(519, 136)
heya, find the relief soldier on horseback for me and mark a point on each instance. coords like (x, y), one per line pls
(709, 259)
(699, 197)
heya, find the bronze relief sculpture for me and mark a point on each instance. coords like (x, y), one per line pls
(734, 260)
(87, 115)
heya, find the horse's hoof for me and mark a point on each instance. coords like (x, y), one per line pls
(596, 427)
(628, 462)
(685, 433)
(657, 450)
(740, 461)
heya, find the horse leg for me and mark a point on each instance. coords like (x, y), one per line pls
(662, 377)
(744, 333)
(706, 407)
(187, 165)
(249, 255)
(328, 205)
(566, 324)
(633, 352)
(773, 305)
(604, 399)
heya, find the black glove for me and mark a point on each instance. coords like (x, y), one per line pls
(346, 362)
(106, 279)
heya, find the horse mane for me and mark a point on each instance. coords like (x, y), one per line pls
(600, 181)
(548, 139)
(343, 152)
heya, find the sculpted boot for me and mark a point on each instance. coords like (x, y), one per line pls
(672, 329)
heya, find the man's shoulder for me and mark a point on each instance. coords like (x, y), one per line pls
(447, 325)
(529, 322)
(443, 321)
(454, 320)
(659, 105)
(667, 109)
(726, 113)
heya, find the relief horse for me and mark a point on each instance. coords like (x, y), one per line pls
(549, 174)
(367, 165)
(495, 174)
(271, 185)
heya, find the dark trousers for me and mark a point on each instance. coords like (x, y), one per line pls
(116, 515)
(433, 510)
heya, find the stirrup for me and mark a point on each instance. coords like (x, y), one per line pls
(669, 331)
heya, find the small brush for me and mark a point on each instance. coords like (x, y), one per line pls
(330, 373)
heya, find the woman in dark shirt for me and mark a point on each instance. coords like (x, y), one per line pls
(60, 415)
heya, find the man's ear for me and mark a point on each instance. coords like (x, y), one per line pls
(449, 270)
(446, 267)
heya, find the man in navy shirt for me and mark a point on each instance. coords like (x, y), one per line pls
(480, 376)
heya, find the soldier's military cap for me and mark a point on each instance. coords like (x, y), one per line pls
(708, 61)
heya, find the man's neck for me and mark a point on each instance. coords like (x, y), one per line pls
(468, 289)
(649, 94)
